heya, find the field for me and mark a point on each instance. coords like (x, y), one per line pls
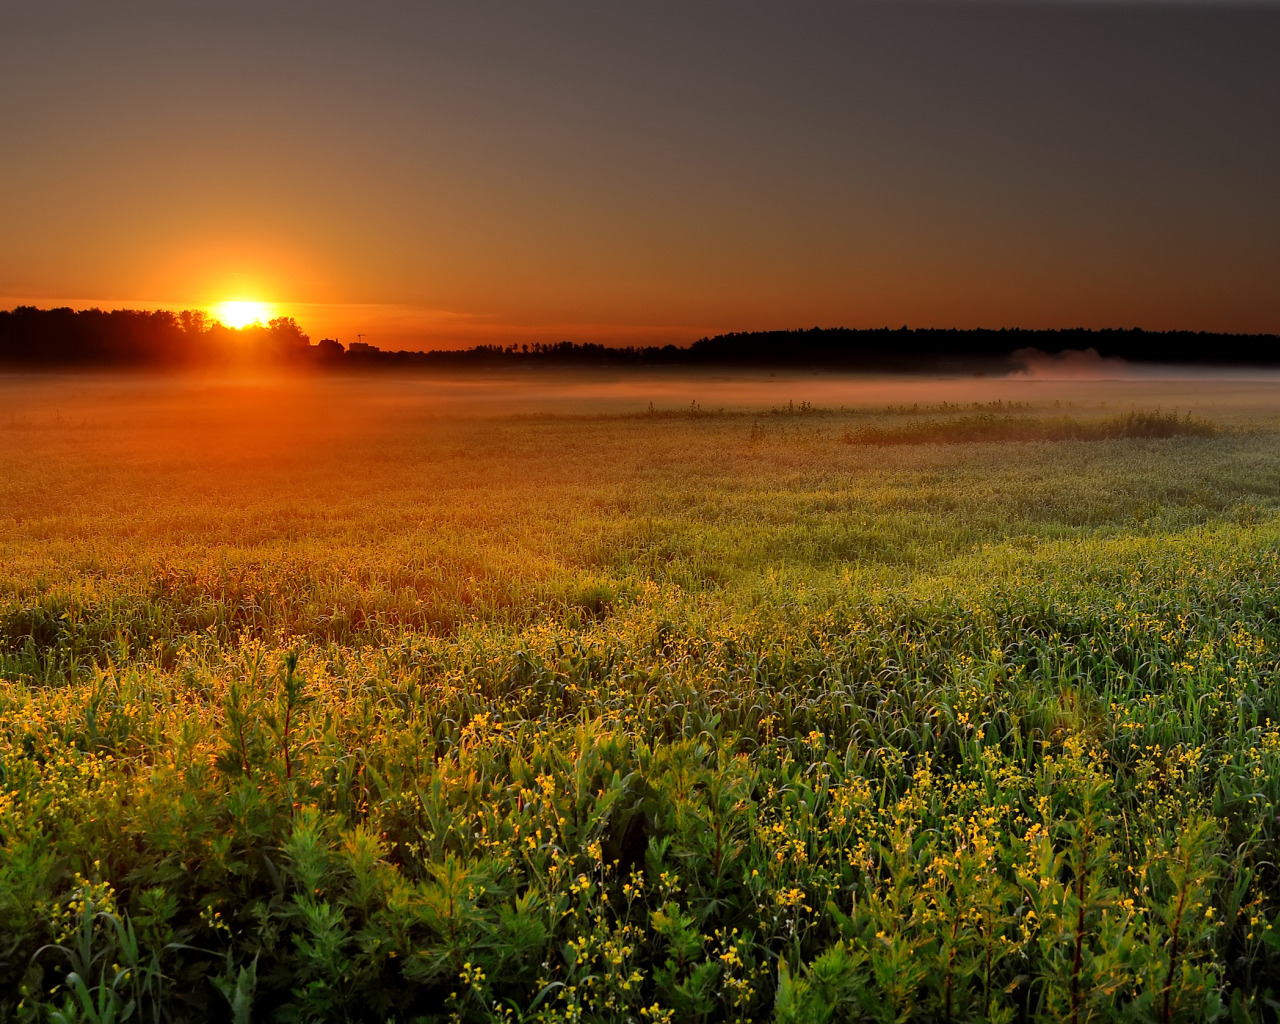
(648, 699)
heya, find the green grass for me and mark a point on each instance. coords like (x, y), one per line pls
(370, 710)
(992, 426)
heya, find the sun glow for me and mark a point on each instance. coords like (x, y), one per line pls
(242, 313)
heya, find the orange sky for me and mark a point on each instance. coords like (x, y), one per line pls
(437, 178)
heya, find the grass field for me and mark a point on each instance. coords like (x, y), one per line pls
(651, 699)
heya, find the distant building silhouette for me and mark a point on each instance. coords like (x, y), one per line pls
(329, 350)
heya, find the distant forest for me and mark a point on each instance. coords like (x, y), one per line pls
(63, 338)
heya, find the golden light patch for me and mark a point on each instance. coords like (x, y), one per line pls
(242, 313)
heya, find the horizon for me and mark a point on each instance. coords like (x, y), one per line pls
(256, 315)
(440, 179)
(64, 339)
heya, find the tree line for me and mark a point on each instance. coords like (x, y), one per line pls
(51, 338)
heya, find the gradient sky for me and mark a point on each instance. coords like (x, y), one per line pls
(513, 172)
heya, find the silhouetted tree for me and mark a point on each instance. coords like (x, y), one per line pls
(194, 321)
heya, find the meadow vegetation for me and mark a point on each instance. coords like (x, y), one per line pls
(318, 702)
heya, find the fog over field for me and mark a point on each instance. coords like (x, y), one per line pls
(182, 401)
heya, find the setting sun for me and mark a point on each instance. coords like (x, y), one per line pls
(242, 313)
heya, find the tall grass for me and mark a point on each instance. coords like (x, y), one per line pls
(989, 426)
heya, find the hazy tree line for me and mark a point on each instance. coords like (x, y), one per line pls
(903, 348)
(131, 338)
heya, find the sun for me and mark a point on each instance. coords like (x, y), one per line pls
(242, 313)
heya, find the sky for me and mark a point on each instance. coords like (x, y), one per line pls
(436, 176)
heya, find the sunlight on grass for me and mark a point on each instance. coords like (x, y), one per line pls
(369, 713)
